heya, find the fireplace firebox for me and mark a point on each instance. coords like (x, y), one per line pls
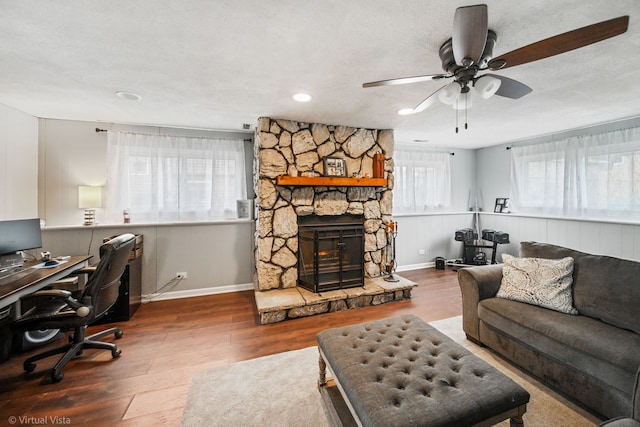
(330, 252)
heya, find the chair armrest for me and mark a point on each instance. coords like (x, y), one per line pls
(81, 309)
(51, 293)
(83, 270)
(476, 284)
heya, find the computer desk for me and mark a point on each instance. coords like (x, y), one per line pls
(12, 289)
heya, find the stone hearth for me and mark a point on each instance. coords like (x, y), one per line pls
(281, 304)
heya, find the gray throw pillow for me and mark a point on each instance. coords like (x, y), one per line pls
(538, 281)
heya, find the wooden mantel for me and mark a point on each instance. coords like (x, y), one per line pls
(330, 181)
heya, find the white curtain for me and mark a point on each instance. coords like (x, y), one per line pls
(422, 179)
(594, 176)
(173, 178)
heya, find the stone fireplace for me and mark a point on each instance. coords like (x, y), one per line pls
(286, 148)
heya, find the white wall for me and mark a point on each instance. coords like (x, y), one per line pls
(493, 164)
(18, 164)
(72, 153)
(597, 237)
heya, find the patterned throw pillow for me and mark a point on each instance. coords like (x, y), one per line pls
(538, 281)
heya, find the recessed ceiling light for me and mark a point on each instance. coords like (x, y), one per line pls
(128, 95)
(302, 97)
(406, 111)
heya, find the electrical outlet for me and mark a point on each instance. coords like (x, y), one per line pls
(421, 252)
(181, 275)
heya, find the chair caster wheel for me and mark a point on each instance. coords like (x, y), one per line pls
(56, 376)
(29, 367)
(118, 334)
(116, 353)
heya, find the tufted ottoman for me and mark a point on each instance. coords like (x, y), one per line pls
(403, 372)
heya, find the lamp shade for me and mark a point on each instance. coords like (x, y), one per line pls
(89, 197)
(450, 93)
(487, 86)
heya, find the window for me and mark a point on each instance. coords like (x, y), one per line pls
(588, 176)
(422, 180)
(169, 178)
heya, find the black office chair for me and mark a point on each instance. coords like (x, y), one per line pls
(58, 309)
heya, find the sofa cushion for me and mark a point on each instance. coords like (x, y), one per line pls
(538, 281)
(582, 343)
(604, 287)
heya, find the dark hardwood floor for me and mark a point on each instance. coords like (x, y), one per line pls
(167, 341)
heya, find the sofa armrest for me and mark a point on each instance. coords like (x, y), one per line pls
(476, 284)
(636, 397)
(626, 421)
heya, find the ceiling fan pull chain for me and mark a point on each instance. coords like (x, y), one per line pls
(466, 126)
(456, 116)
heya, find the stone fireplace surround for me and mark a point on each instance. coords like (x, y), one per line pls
(286, 147)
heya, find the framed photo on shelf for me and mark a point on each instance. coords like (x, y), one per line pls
(335, 166)
(502, 206)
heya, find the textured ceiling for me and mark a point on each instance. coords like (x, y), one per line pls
(217, 64)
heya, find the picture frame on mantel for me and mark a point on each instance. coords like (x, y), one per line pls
(335, 166)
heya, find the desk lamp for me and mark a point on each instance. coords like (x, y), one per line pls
(89, 198)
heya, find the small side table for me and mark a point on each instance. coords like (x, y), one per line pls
(130, 295)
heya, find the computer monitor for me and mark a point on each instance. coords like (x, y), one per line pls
(19, 235)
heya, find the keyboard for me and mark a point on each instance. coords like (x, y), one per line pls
(12, 274)
(7, 271)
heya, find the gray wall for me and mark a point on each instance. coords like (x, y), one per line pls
(620, 239)
(44, 161)
(18, 164)
(216, 255)
(433, 233)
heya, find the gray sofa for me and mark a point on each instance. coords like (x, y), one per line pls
(593, 357)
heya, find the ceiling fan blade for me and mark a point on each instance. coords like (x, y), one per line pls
(510, 88)
(406, 80)
(562, 43)
(427, 101)
(470, 25)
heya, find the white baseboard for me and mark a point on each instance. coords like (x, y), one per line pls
(416, 266)
(242, 287)
(197, 292)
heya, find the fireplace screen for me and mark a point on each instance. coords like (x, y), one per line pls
(330, 253)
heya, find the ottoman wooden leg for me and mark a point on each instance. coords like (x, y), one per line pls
(516, 420)
(322, 379)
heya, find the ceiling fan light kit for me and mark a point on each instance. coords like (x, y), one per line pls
(470, 51)
(450, 93)
(486, 86)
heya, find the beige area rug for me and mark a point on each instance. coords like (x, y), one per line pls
(281, 390)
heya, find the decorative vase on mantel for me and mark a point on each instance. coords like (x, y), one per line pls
(378, 165)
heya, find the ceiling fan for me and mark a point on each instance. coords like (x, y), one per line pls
(469, 52)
